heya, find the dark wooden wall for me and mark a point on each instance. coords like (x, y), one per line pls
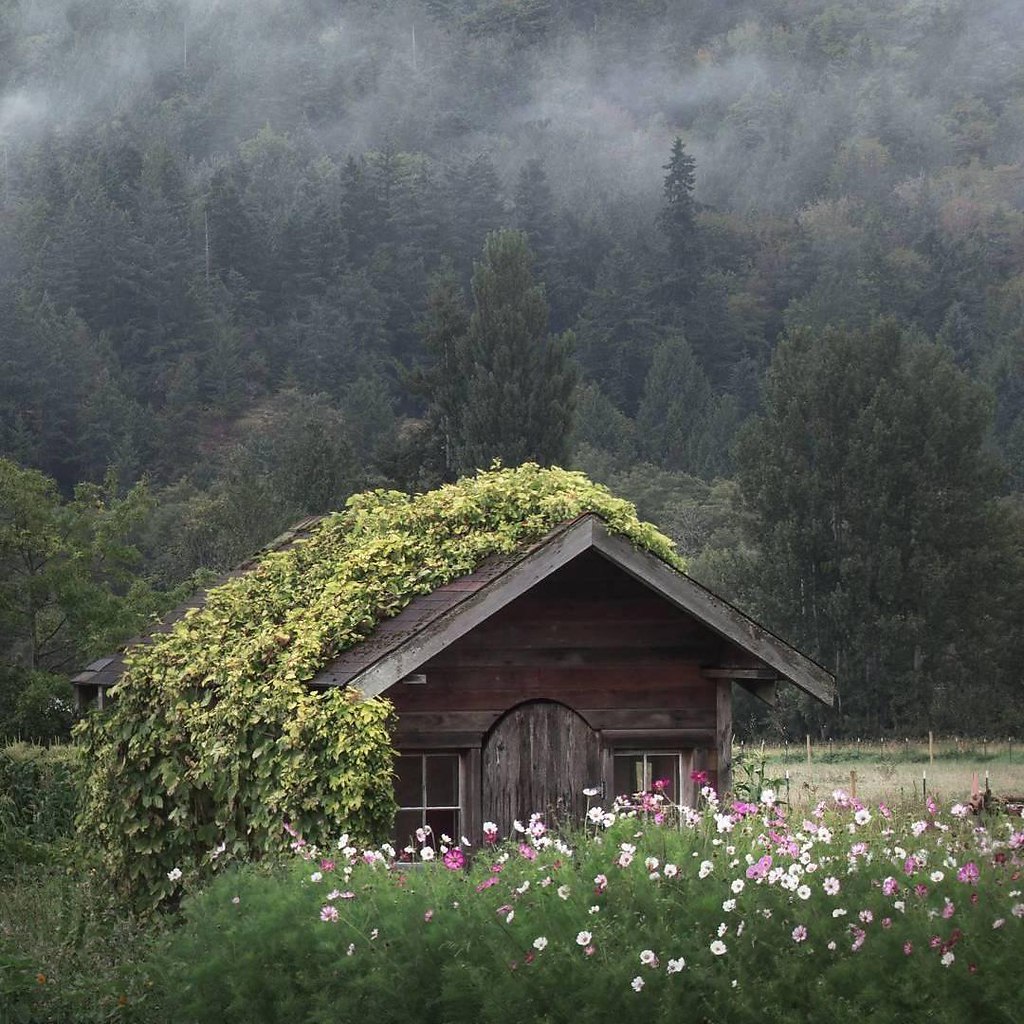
(590, 637)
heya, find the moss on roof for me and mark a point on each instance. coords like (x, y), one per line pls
(214, 736)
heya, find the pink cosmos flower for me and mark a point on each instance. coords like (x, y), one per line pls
(527, 851)
(487, 883)
(908, 948)
(799, 933)
(428, 916)
(326, 864)
(969, 873)
(454, 859)
(890, 886)
(329, 913)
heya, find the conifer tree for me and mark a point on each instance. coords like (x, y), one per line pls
(678, 222)
(520, 380)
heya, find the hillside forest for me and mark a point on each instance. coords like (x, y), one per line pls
(758, 267)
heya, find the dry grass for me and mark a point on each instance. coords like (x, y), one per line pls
(897, 771)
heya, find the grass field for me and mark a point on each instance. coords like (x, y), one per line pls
(896, 771)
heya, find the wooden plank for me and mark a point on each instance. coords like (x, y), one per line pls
(635, 658)
(738, 673)
(472, 804)
(647, 719)
(658, 738)
(436, 740)
(420, 698)
(593, 635)
(718, 614)
(724, 736)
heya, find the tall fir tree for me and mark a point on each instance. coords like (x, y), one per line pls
(678, 222)
(519, 401)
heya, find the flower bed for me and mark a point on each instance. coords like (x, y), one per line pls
(717, 914)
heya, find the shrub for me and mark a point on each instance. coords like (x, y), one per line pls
(38, 797)
(214, 737)
(727, 915)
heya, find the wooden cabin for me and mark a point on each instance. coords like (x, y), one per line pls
(578, 662)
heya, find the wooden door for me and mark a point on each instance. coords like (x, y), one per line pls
(539, 757)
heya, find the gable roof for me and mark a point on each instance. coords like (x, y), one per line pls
(362, 597)
(430, 623)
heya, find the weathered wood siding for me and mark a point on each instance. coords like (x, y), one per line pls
(589, 637)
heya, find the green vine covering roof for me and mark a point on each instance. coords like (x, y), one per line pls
(214, 738)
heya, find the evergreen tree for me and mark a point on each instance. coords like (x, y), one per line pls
(675, 408)
(878, 532)
(520, 379)
(678, 222)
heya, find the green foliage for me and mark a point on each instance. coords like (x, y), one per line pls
(518, 380)
(562, 937)
(38, 799)
(66, 957)
(883, 550)
(214, 738)
(68, 590)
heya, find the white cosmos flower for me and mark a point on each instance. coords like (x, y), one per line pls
(174, 874)
(540, 942)
(706, 867)
(637, 983)
(670, 871)
(648, 958)
(718, 947)
(583, 938)
(738, 885)
(427, 853)
(675, 966)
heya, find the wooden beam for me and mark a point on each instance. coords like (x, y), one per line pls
(724, 737)
(682, 737)
(740, 672)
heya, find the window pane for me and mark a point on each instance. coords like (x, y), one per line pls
(444, 823)
(406, 823)
(629, 774)
(665, 767)
(409, 784)
(442, 780)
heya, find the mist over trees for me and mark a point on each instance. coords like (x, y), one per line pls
(760, 267)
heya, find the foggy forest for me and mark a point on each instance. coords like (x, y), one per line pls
(764, 263)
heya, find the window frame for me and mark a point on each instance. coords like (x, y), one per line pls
(685, 790)
(424, 807)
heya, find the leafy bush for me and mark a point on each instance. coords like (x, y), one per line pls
(38, 797)
(214, 737)
(726, 915)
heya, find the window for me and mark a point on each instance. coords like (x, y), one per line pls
(428, 792)
(637, 771)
